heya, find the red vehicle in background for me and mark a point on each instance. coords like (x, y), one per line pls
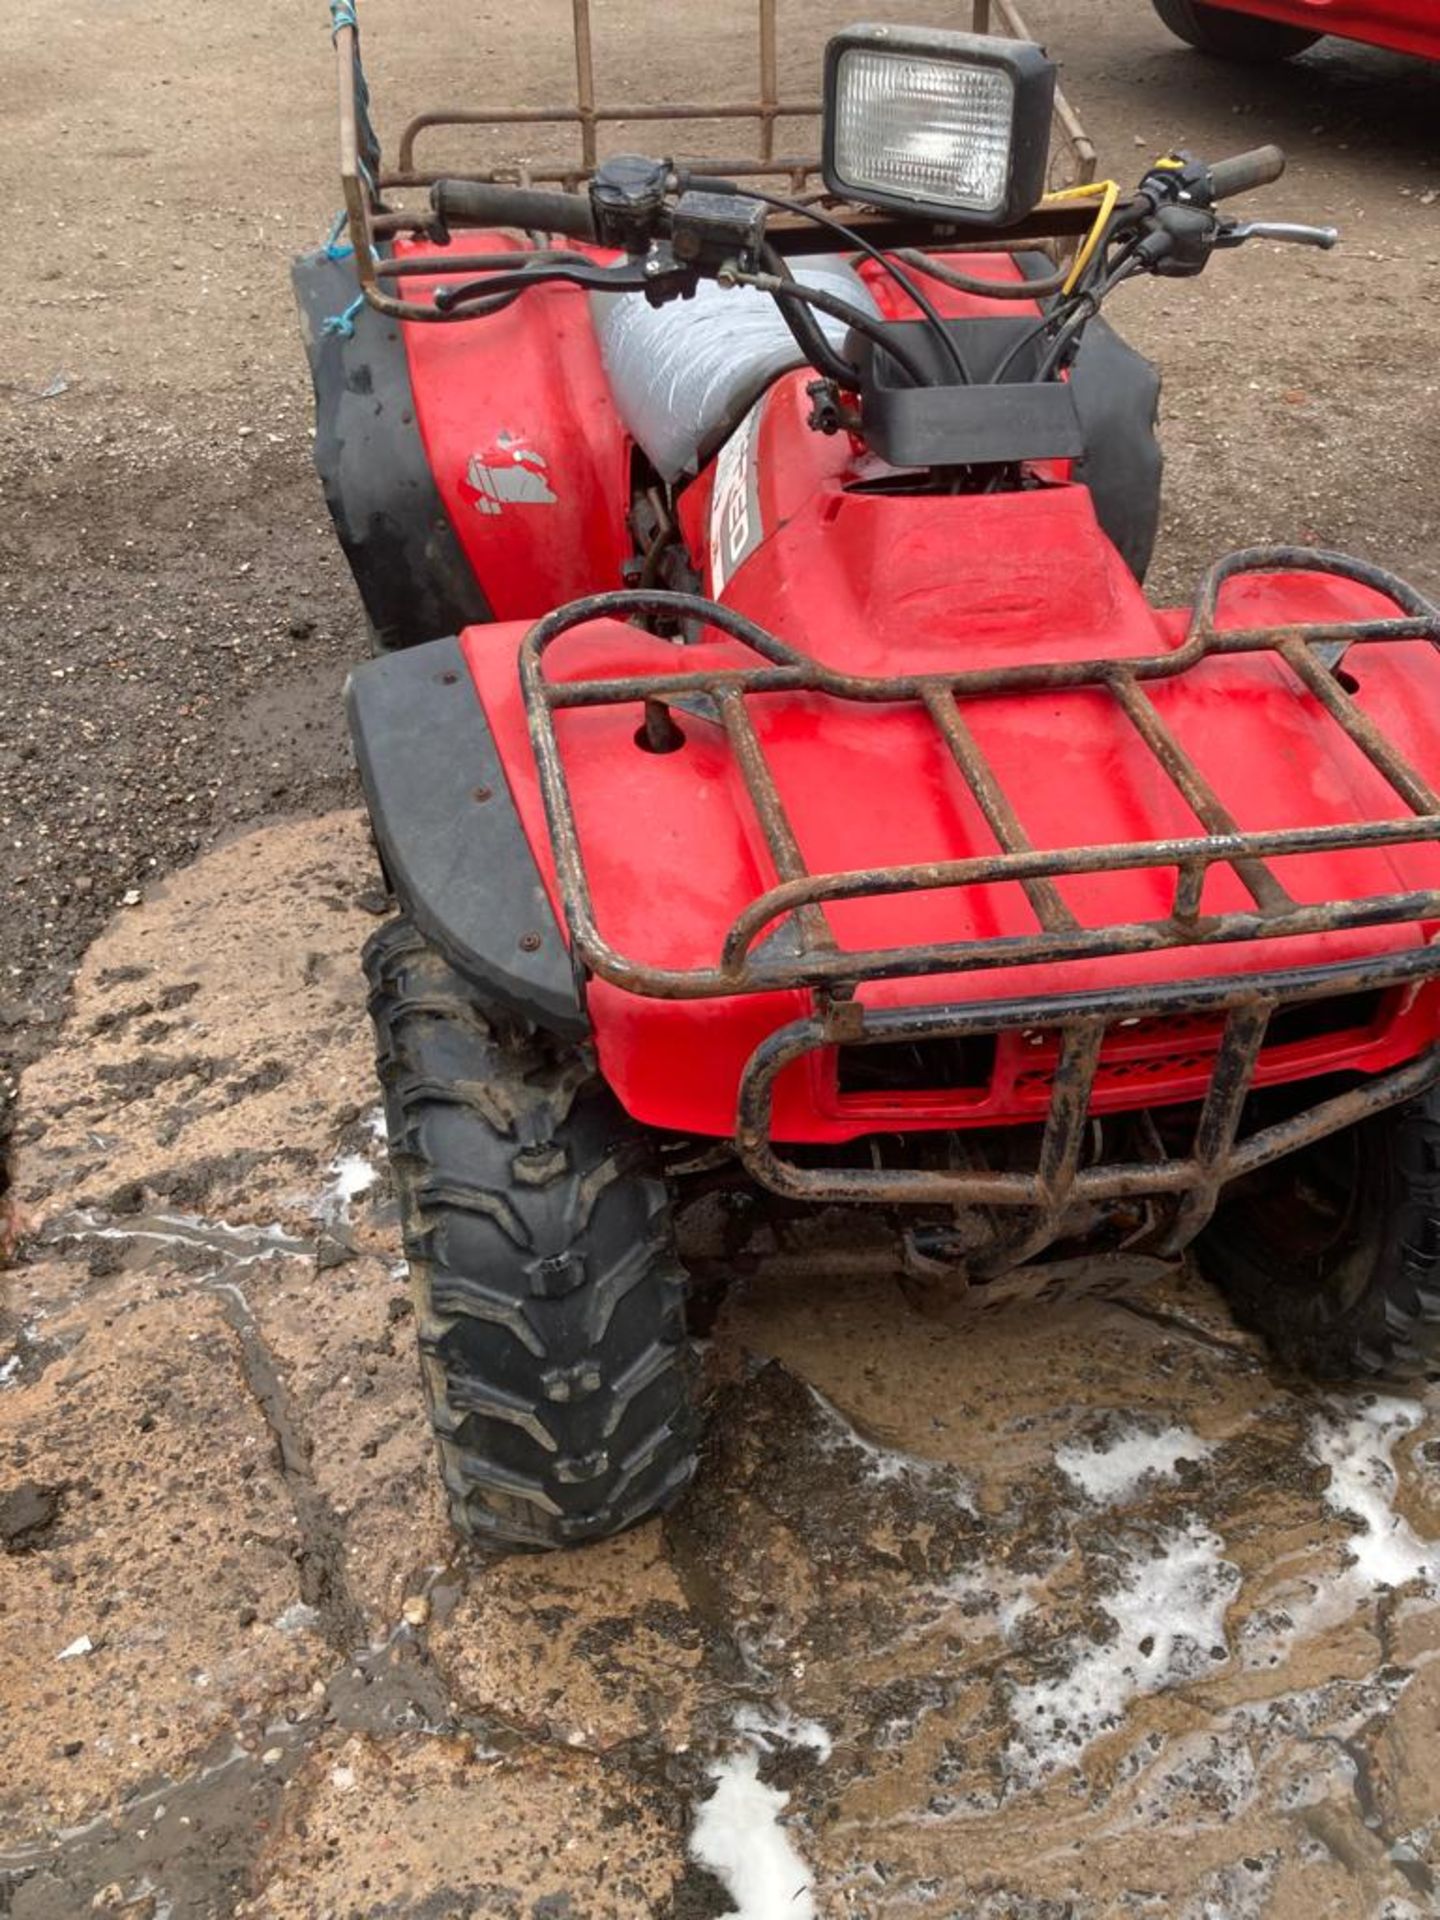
(1276, 29)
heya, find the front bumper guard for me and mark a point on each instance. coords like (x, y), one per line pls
(1191, 1183)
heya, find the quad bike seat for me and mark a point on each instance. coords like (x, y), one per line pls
(683, 376)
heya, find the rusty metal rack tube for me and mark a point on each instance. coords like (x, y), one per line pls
(822, 964)
(1191, 1182)
(369, 221)
(987, 16)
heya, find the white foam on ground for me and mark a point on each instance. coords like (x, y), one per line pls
(298, 1618)
(738, 1836)
(1117, 1468)
(1357, 1444)
(770, 1726)
(240, 1246)
(990, 1599)
(351, 1174)
(8, 1370)
(1169, 1618)
(884, 1464)
(1012, 1612)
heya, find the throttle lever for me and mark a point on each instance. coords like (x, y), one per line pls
(1235, 233)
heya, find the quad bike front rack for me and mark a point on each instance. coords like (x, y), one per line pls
(372, 220)
(752, 960)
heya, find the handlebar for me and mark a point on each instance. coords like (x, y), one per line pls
(484, 203)
(674, 228)
(1259, 168)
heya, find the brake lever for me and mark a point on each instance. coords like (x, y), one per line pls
(659, 276)
(1235, 233)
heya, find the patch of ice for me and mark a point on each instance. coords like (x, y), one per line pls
(1337, 1708)
(1169, 1619)
(103, 1822)
(738, 1836)
(1114, 1470)
(771, 1725)
(8, 1370)
(1357, 1444)
(1296, 1610)
(989, 1599)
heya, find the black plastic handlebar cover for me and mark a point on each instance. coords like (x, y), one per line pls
(485, 203)
(1246, 172)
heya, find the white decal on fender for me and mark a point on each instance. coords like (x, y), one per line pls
(735, 529)
(510, 471)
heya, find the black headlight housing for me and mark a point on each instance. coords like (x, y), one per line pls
(955, 126)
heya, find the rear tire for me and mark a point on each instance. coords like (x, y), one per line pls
(1232, 36)
(1334, 1253)
(548, 1297)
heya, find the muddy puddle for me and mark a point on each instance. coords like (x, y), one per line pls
(1073, 1611)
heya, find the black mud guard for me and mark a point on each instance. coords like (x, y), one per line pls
(1117, 395)
(403, 550)
(450, 835)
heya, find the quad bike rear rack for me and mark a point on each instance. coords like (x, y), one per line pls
(371, 219)
(753, 959)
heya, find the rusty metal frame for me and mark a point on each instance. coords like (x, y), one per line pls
(1189, 1185)
(370, 221)
(721, 692)
(753, 960)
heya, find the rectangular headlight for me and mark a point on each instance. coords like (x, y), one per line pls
(956, 125)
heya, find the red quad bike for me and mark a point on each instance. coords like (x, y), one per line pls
(808, 839)
(1262, 30)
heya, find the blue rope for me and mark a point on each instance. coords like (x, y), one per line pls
(341, 326)
(333, 248)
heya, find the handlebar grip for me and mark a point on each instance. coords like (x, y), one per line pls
(486, 203)
(1246, 172)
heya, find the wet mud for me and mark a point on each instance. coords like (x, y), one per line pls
(1075, 1609)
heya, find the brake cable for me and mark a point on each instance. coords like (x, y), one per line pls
(805, 329)
(1082, 305)
(707, 183)
(1064, 280)
(1081, 318)
(974, 283)
(497, 289)
(783, 287)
